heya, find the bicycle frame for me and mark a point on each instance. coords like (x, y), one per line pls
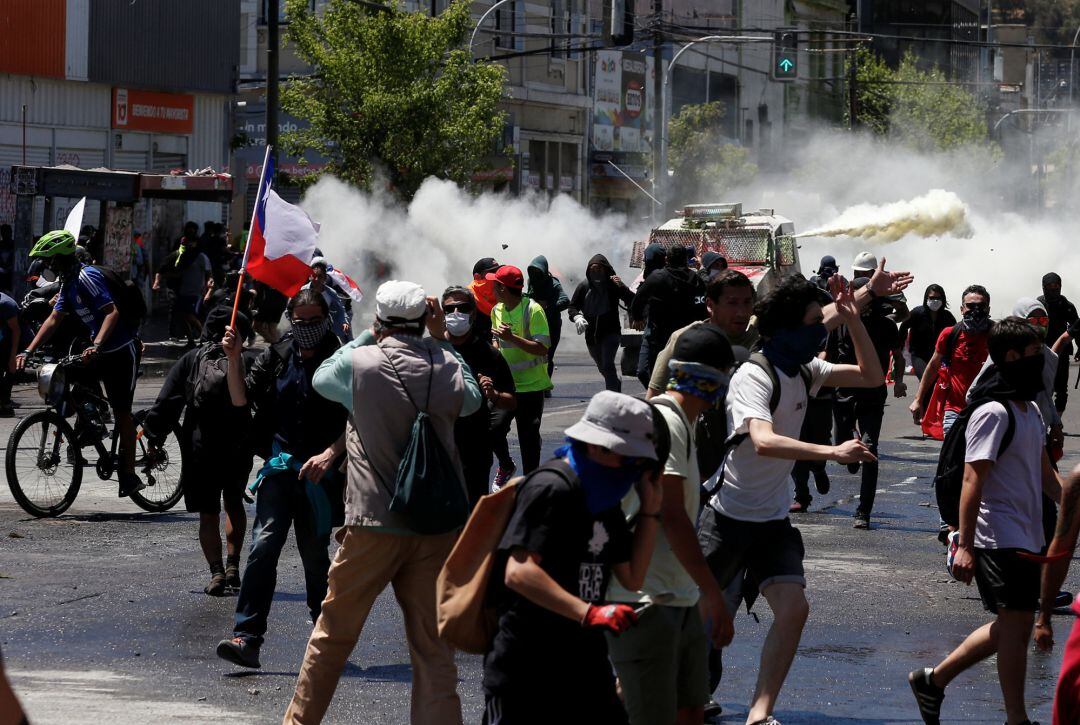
(77, 397)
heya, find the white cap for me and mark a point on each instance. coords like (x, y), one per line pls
(399, 302)
(864, 262)
(319, 260)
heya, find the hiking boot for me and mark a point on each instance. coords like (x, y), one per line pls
(129, 483)
(821, 482)
(217, 586)
(862, 520)
(799, 507)
(928, 696)
(502, 477)
(239, 651)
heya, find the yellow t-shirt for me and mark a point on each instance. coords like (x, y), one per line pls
(529, 371)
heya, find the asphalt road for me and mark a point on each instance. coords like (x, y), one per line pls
(102, 615)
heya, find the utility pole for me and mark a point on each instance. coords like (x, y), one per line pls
(273, 44)
(659, 131)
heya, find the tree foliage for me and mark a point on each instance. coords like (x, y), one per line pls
(391, 91)
(919, 108)
(1054, 21)
(703, 160)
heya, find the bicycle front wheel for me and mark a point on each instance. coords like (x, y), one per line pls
(160, 471)
(44, 465)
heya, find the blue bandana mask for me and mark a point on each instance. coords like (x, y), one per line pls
(698, 380)
(788, 349)
(604, 486)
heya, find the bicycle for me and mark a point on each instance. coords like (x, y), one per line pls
(45, 457)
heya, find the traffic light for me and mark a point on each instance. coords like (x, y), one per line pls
(618, 22)
(785, 55)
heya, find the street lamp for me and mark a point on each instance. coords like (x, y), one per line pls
(1072, 73)
(489, 11)
(661, 167)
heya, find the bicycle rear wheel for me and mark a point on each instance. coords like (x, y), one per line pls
(160, 472)
(44, 465)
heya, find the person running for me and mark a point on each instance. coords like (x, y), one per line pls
(1000, 521)
(548, 662)
(521, 331)
(113, 355)
(1062, 317)
(594, 310)
(662, 662)
(546, 290)
(299, 434)
(922, 329)
(669, 299)
(745, 526)
(216, 462)
(859, 411)
(399, 375)
(472, 433)
(187, 272)
(959, 354)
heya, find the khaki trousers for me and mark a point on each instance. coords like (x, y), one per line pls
(364, 564)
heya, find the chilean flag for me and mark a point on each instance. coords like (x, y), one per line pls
(282, 240)
(346, 283)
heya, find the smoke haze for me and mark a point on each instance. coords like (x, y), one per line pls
(936, 213)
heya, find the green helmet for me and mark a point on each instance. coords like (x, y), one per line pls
(56, 243)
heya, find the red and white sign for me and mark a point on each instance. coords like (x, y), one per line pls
(149, 111)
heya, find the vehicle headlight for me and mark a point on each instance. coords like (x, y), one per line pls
(51, 383)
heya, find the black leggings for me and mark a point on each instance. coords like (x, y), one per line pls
(603, 353)
(529, 411)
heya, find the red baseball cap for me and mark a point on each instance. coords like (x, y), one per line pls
(507, 276)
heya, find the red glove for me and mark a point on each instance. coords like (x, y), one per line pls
(616, 617)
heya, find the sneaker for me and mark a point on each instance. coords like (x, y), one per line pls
(502, 477)
(928, 696)
(798, 507)
(1063, 600)
(713, 711)
(821, 482)
(943, 535)
(862, 520)
(239, 651)
(129, 483)
(216, 587)
(770, 720)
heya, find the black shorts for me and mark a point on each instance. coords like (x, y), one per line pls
(206, 482)
(117, 370)
(771, 552)
(1006, 580)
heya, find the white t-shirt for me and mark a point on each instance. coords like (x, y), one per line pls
(759, 488)
(666, 575)
(1010, 515)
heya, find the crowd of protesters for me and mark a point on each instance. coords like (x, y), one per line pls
(625, 556)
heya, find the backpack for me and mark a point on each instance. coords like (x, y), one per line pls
(427, 488)
(207, 384)
(718, 454)
(950, 345)
(127, 296)
(466, 611)
(949, 477)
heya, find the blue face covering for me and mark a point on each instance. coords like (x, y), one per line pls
(788, 349)
(604, 487)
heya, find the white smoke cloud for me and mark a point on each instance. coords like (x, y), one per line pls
(936, 213)
(436, 239)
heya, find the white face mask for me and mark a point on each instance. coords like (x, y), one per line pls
(458, 324)
(934, 305)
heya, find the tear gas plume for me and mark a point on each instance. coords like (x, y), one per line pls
(436, 239)
(935, 213)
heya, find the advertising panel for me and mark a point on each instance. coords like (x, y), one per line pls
(622, 119)
(134, 110)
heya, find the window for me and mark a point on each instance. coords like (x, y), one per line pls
(507, 21)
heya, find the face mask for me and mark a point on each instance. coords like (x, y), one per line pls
(701, 381)
(458, 324)
(308, 335)
(934, 305)
(977, 320)
(1052, 294)
(826, 272)
(788, 349)
(604, 486)
(1025, 375)
(596, 277)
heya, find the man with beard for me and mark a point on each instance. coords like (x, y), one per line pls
(594, 310)
(1062, 315)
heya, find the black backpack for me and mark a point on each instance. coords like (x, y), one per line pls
(127, 296)
(949, 477)
(207, 385)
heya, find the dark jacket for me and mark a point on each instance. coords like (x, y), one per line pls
(288, 411)
(1062, 313)
(546, 289)
(669, 299)
(598, 302)
(924, 330)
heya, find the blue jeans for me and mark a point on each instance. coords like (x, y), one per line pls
(646, 360)
(281, 501)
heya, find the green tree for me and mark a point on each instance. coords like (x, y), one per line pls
(393, 90)
(875, 92)
(702, 159)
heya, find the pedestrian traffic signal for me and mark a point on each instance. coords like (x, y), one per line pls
(785, 55)
(618, 22)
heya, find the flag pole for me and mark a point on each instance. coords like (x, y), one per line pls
(247, 244)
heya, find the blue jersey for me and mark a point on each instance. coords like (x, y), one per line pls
(86, 296)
